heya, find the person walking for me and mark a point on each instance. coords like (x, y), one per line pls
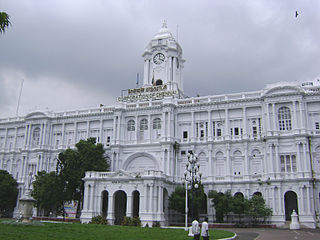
(196, 230)
(205, 229)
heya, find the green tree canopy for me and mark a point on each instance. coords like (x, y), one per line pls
(222, 202)
(73, 163)
(177, 201)
(4, 22)
(8, 193)
(258, 209)
(48, 192)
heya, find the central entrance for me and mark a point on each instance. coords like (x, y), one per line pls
(120, 206)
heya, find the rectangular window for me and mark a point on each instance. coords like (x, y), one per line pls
(254, 132)
(214, 128)
(317, 126)
(236, 131)
(183, 152)
(197, 129)
(201, 134)
(185, 135)
(206, 129)
(283, 169)
(219, 132)
(294, 164)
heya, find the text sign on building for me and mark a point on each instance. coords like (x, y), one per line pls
(147, 93)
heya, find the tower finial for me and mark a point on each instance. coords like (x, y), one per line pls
(164, 24)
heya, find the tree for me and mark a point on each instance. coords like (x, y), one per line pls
(240, 205)
(4, 21)
(48, 192)
(177, 200)
(258, 208)
(8, 193)
(72, 165)
(222, 204)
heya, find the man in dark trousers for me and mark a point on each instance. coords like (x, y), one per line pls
(205, 229)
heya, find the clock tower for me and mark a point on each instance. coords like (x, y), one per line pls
(163, 62)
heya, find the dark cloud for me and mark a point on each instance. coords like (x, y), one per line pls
(88, 51)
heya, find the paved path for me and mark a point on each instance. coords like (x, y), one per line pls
(276, 234)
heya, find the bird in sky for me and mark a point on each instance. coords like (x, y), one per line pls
(297, 14)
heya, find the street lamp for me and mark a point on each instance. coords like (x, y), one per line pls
(192, 177)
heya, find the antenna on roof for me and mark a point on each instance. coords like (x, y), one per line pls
(19, 97)
(177, 34)
(137, 79)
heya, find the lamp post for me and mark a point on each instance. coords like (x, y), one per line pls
(192, 177)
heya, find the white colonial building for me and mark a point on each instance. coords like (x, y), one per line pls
(265, 142)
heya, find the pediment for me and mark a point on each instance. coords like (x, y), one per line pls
(282, 90)
(36, 115)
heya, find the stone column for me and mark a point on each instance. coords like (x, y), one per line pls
(129, 206)
(271, 158)
(15, 138)
(228, 173)
(192, 127)
(268, 119)
(163, 127)
(302, 209)
(210, 171)
(244, 113)
(277, 163)
(88, 129)
(151, 198)
(110, 215)
(169, 126)
(305, 158)
(75, 133)
(246, 160)
(308, 200)
(149, 128)
(294, 115)
(280, 200)
(301, 115)
(101, 132)
(209, 126)
(86, 196)
(92, 197)
(274, 118)
(299, 163)
(146, 197)
(63, 134)
(227, 131)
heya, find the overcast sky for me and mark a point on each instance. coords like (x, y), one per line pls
(75, 54)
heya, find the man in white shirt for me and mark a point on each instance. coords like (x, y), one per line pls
(196, 230)
(205, 229)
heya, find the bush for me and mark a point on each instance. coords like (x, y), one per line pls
(136, 222)
(98, 220)
(128, 221)
(156, 224)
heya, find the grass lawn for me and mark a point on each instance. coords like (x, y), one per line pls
(61, 231)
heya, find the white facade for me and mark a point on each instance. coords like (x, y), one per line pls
(266, 141)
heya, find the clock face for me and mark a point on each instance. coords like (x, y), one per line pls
(158, 58)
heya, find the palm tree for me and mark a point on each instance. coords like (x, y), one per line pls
(4, 21)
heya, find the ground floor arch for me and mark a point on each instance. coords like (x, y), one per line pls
(105, 202)
(120, 206)
(135, 203)
(291, 203)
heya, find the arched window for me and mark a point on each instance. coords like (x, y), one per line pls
(143, 124)
(284, 119)
(131, 125)
(36, 137)
(158, 82)
(156, 123)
